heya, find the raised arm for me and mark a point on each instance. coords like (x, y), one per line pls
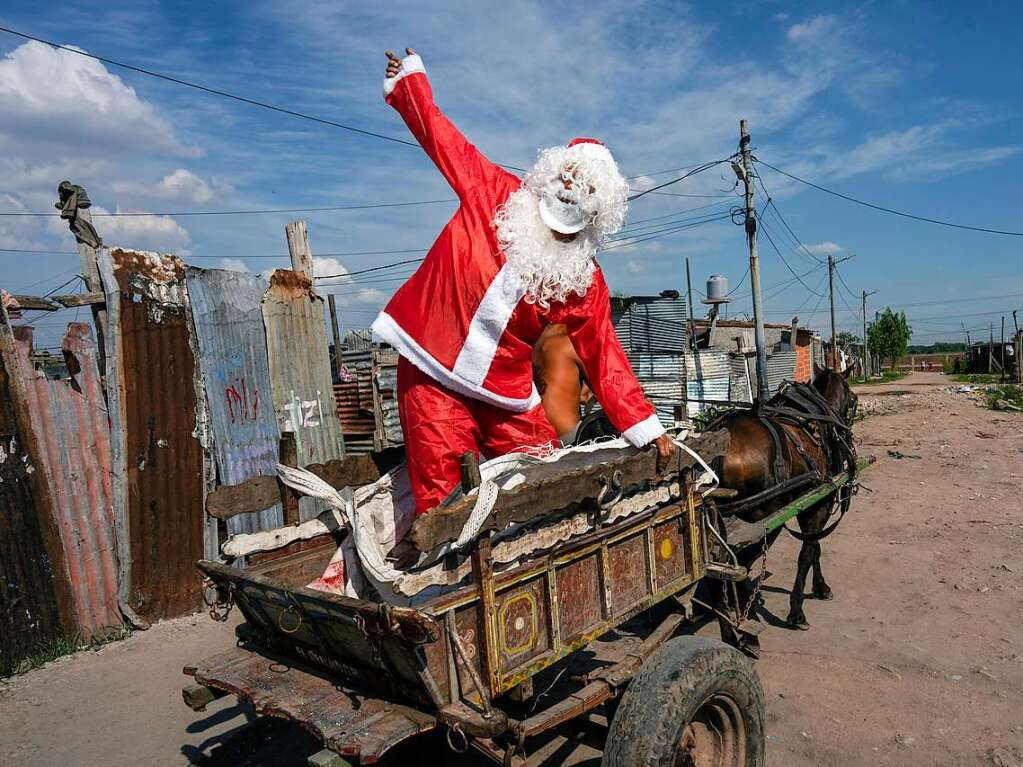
(408, 91)
(588, 322)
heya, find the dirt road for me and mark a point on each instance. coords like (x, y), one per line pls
(917, 661)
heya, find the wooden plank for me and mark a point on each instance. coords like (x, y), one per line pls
(81, 299)
(254, 494)
(264, 491)
(555, 490)
(298, 246)
(35, 303)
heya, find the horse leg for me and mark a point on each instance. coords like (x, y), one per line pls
(797, 619)
(821, 589)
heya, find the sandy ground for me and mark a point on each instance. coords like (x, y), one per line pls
(917, 661)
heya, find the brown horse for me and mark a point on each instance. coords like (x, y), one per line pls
(754, 463)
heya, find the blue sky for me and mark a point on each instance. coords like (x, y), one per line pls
(913, 106)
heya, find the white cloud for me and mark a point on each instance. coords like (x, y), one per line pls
(632, 266)
(52, 97)
(161, 233)
(331, 267)
(184, 185)
(824, 248)
(233, 264)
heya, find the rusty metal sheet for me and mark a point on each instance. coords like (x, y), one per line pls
(707, 378)
(159, 483)
(228, 322)
(781, 367)
(69, 422)
(33, 587)
(300, 378)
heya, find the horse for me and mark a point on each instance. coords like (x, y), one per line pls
(777, 450)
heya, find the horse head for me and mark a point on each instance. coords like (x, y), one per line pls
(834, 387)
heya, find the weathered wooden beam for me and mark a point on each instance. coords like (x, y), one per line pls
(805, 501)
(255, 494)
(35, 303)
(262, 492)
(81, 299)
(552, 490)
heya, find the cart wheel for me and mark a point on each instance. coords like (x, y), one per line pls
(696, 702)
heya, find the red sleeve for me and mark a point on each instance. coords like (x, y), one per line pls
(461, 163)
(588, 321)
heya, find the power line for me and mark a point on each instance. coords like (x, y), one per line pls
(693, 172)
(889, 210)
(767, 233)
(652, 236)
(24, 214)
(213, 91)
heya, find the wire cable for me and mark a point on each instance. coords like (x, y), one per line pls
(368, 206)
(693, 172)
(883, 209)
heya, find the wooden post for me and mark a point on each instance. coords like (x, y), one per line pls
(93, 284)
(470, 472)
(689, 290)
(831, 295)
(337, 335)
(1003, 348)
(298, 246)
(991, 348)
(289, 497)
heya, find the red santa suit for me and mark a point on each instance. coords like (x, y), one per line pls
(466, 333)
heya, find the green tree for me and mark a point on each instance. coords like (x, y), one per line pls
(848, 340)
(889, 335)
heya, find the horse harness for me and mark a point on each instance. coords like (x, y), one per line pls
(801, 405)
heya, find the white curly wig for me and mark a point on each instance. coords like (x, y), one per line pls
(551, 269)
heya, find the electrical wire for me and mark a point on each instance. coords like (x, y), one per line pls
(883, 209)
(368, 206)
(693, 172)
(767, 233)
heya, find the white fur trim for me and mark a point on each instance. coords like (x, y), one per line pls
(644, 432)
(487, 326)
(391, 332)
(409, 66)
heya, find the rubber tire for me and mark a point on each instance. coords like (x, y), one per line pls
(668, 691)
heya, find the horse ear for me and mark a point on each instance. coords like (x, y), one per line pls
(848, 372)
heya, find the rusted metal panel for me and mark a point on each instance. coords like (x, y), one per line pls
(707, 378)
(158, 483)
(670, 554)
(69, 422)
(31, 582)
(781, 367)
(652, 324)
(228, 321)
(300, 379)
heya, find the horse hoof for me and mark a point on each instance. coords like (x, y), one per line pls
(798, 624)
(825, 594)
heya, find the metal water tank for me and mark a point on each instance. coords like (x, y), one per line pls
(717, 288)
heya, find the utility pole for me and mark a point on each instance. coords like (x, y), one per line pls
(866, 346)
(745, 173)
(1003, 349)
(991, 348)
(692, 322)
(332, 306)
(831, 293)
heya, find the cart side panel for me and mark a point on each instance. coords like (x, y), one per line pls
(671, 553)
(580, 602)
(630, 572)
(522, 622)
(356, 643)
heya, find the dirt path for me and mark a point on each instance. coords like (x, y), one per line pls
(917, 661)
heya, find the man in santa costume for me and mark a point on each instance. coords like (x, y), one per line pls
(517, 256)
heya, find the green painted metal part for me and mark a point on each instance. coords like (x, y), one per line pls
(803, 502)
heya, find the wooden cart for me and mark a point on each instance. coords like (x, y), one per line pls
(364, 676)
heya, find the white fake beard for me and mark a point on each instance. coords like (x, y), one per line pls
(549, 269)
